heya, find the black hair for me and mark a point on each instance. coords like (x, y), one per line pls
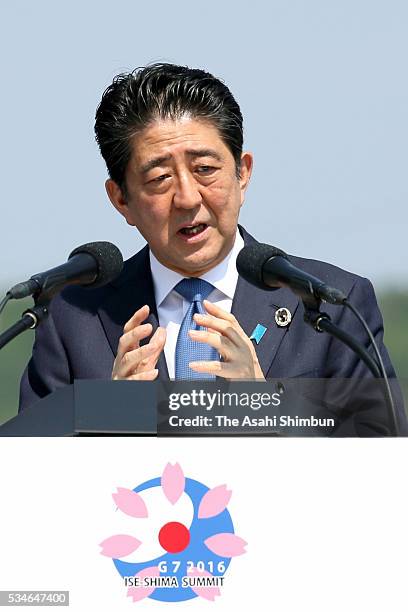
(162, 91)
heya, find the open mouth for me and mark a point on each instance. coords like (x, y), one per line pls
(193, 230)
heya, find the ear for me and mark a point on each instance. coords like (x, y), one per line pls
(118, 199)
(247, 162)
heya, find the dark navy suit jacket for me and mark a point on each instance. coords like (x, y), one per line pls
(79, 339)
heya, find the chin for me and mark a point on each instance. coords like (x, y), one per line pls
(192, 267)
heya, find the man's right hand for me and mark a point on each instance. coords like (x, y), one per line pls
(135, 362)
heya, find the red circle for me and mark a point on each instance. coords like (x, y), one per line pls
(174, 537)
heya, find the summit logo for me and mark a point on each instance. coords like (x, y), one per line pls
(176, 538)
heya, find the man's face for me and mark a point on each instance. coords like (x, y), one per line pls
(183, 194)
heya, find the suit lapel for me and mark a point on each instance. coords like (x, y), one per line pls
(132, 290)
(252, 306)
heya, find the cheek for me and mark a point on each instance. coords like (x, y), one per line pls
(217, 196)
(152, 213)
(225, 201)
(226, 188)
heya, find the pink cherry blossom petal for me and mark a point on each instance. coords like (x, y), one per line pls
(130, 503)
(207, 592)
(118, 546)
(140, 592)
(226, 544)
(214, 501)
(173, 482)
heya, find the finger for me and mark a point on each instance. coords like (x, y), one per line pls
(149, 375)
(223, 370)
(156, 346)
(221, 344)
(218, 312)
(159, 338)
(209, 321)
(130, 340)
(132, 360)
(228, 318)
(157, 342)
(138, 318)
(221, 327)
(217, 368)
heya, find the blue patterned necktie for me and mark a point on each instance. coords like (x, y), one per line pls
(193, 290)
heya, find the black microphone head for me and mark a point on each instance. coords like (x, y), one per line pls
(251, 260)
(108, 258)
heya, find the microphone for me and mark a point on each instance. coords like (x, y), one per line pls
(91, 265)
(268, 267)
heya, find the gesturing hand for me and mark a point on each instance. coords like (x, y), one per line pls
(135, 362)
(224, 333)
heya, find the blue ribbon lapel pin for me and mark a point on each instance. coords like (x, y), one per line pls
(258, 333)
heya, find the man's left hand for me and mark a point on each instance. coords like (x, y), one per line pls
(224, 333)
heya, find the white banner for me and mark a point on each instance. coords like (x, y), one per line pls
(318, 524)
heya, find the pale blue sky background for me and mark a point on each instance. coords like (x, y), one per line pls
(322, 85)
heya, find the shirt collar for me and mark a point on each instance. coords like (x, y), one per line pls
(224, 276)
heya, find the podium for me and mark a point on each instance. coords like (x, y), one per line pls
(90, 407)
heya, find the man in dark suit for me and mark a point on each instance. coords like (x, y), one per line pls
(172, 141)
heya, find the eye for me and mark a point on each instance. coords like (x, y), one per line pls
(204, 170)
(159, 179)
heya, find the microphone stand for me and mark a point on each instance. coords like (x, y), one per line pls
(321, 322)
(30, 319)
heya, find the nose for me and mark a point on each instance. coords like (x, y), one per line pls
(187, 193)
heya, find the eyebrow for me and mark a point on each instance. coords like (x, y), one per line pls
(205, 153)
(158, 161)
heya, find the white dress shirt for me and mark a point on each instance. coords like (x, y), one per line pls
(171, 306)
